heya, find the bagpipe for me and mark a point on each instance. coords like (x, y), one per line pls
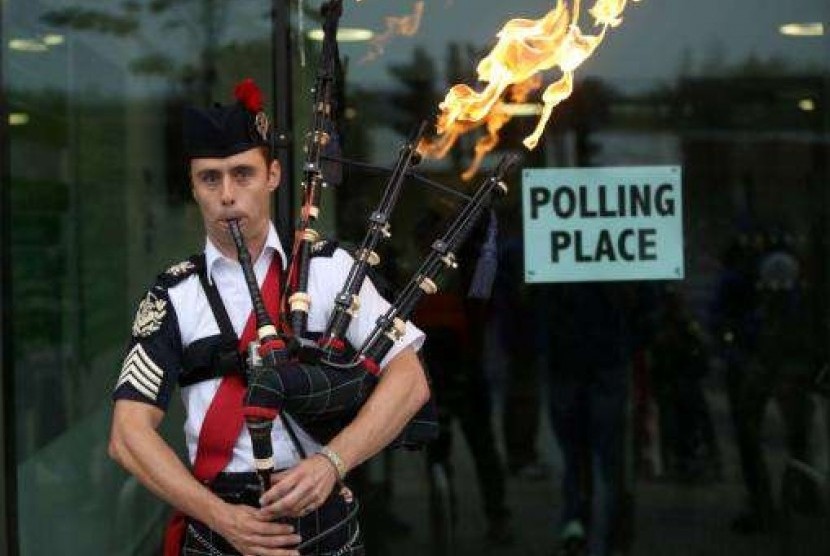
(322, 382)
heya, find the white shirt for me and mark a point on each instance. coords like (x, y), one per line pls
(195, 319)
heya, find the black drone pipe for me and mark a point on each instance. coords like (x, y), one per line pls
(313, 179)
(347, 302)
(391, 326)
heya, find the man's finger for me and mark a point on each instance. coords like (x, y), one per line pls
(296, 499)
(274, 541)
(269, 528)
(277, 491)
(285, 506)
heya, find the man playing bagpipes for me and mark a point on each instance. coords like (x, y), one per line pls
(193, 329)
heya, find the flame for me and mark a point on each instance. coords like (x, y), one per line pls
(513, 69)
(404, 26)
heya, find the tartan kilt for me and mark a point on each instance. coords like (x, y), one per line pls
(331, 530)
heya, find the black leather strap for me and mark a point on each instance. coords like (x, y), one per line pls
(218, 308)
(208, 358)
(212, 357)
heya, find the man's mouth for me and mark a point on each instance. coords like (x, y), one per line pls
(224, 222)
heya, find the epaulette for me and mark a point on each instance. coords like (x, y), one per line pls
(324, 248)
(179, 271)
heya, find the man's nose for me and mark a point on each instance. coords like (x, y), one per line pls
(227, 191)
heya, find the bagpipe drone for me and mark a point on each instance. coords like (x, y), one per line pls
(321, 382)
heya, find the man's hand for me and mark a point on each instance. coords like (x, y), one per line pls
(135, 444)
(301, 489)
(252, 532)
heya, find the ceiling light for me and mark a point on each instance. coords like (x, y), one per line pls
(807, 104)
(18, 118)
(53, 40)
(802, 29)
(521, 109)
(344, 34)
(27, 45)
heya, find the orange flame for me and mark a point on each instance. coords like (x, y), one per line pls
(525, 48)
(404, 26)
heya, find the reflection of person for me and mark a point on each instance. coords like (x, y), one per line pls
(760, 314)
(453, 357)
(679, 363)
(588, 377)
(180, 336)
(518, 322)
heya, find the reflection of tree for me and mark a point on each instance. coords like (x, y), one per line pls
(754, 66)
(417, 97)
(714, 62)
(461, 63)
(585, 112)
(202, 20)
(358, 193)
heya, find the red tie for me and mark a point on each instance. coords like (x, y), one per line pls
(224, 420)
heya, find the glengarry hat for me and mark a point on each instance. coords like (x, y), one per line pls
(224, 130)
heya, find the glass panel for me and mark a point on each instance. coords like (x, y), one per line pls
(666, 383)
(100, 205)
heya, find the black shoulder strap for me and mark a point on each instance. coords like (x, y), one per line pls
(219, 312)
(215, 356)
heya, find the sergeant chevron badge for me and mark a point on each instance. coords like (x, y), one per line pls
(141, 372)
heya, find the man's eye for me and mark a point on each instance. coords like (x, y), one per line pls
(243, 174)
(210, 178)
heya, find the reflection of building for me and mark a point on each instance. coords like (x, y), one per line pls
(768, 131)
(755, 153)
(93, 201)
(96, 201)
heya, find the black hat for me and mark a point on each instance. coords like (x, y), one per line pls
(222, 131)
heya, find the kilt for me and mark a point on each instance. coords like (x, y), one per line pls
(331, 530)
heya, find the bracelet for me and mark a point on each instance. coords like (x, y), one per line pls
(336, 461)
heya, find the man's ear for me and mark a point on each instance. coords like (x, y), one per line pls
(274, 175)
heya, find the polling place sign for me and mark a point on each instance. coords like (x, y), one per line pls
(602, 224)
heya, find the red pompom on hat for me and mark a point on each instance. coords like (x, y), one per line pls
(247, 92)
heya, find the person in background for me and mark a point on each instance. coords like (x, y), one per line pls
(454, 357)
(680, 362)
(590, 343)
(760, 316)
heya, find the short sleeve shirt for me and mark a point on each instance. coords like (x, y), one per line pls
(175, 313)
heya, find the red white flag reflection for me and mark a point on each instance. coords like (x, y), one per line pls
(524, 50)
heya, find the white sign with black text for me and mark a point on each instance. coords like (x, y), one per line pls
(602, 224)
